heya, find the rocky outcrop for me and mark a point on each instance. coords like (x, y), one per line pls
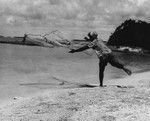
(131, 33)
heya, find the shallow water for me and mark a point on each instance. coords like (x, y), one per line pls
(27, 70)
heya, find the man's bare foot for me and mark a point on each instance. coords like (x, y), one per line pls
(102, 85)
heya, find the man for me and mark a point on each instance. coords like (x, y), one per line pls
(24, 38)
(104, 54)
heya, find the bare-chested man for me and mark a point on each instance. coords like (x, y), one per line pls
(104, 54)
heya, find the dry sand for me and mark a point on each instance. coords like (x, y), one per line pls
(131, 102)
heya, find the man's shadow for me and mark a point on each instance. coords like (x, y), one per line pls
(75, 84)
(60, 83)
(86, 86)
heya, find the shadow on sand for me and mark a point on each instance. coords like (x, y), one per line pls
(87, 86)
(60, 83)
(64, 85)
(68, 86)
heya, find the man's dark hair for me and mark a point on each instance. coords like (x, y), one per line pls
(92, 35)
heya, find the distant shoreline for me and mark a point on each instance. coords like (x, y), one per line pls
(19, 41)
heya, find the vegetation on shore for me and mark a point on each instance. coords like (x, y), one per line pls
(131, 33)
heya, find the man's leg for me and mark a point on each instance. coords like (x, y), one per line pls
(115, 62)
(102, 65)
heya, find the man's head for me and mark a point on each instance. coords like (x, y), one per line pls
(92, 35)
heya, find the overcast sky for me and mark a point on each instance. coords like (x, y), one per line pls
(39, 16)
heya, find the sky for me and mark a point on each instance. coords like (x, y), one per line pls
(73, 17)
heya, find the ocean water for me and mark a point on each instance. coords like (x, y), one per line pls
(26, 70)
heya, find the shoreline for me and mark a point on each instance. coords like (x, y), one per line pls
(136, 80)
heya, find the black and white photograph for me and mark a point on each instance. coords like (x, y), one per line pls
(74, 60)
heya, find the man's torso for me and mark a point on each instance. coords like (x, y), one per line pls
(99, 47)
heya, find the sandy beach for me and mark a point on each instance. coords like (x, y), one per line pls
(125, 102)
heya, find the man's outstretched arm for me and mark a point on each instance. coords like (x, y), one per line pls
(79, 49)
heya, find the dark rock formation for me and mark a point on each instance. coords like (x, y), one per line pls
(131, 33)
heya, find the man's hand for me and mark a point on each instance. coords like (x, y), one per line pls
(72, 51)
